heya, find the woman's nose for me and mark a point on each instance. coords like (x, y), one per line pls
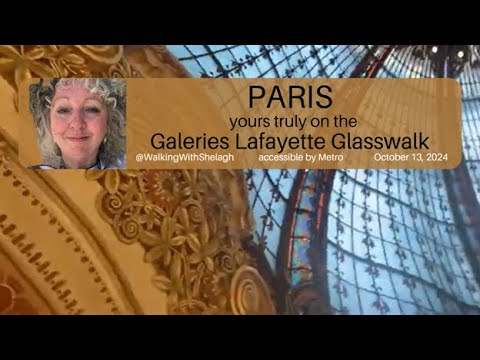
(77, 121)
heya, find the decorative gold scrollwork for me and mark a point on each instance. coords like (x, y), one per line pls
(183, 220)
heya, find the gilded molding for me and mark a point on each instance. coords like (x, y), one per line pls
(31, 249)
(21, 62)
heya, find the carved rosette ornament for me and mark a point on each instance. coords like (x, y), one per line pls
(190, 223)
(250, 294)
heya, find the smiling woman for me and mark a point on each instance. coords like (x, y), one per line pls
(80, 123)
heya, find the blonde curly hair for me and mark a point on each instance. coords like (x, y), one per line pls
(113, 93)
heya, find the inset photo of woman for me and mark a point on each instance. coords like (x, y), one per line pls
(80, 123)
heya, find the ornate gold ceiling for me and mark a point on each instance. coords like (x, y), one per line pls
(111, 241)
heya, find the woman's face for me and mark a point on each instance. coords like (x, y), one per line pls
(78, 122)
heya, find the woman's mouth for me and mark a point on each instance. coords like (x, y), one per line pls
(77, 138)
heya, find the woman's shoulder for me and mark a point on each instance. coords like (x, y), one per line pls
(42, 166)
(120, 163)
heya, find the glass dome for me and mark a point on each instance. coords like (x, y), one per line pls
(364, 241)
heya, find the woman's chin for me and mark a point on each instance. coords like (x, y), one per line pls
(78, 150)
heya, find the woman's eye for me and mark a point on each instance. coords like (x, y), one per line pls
(93, 110)
(63, 110)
